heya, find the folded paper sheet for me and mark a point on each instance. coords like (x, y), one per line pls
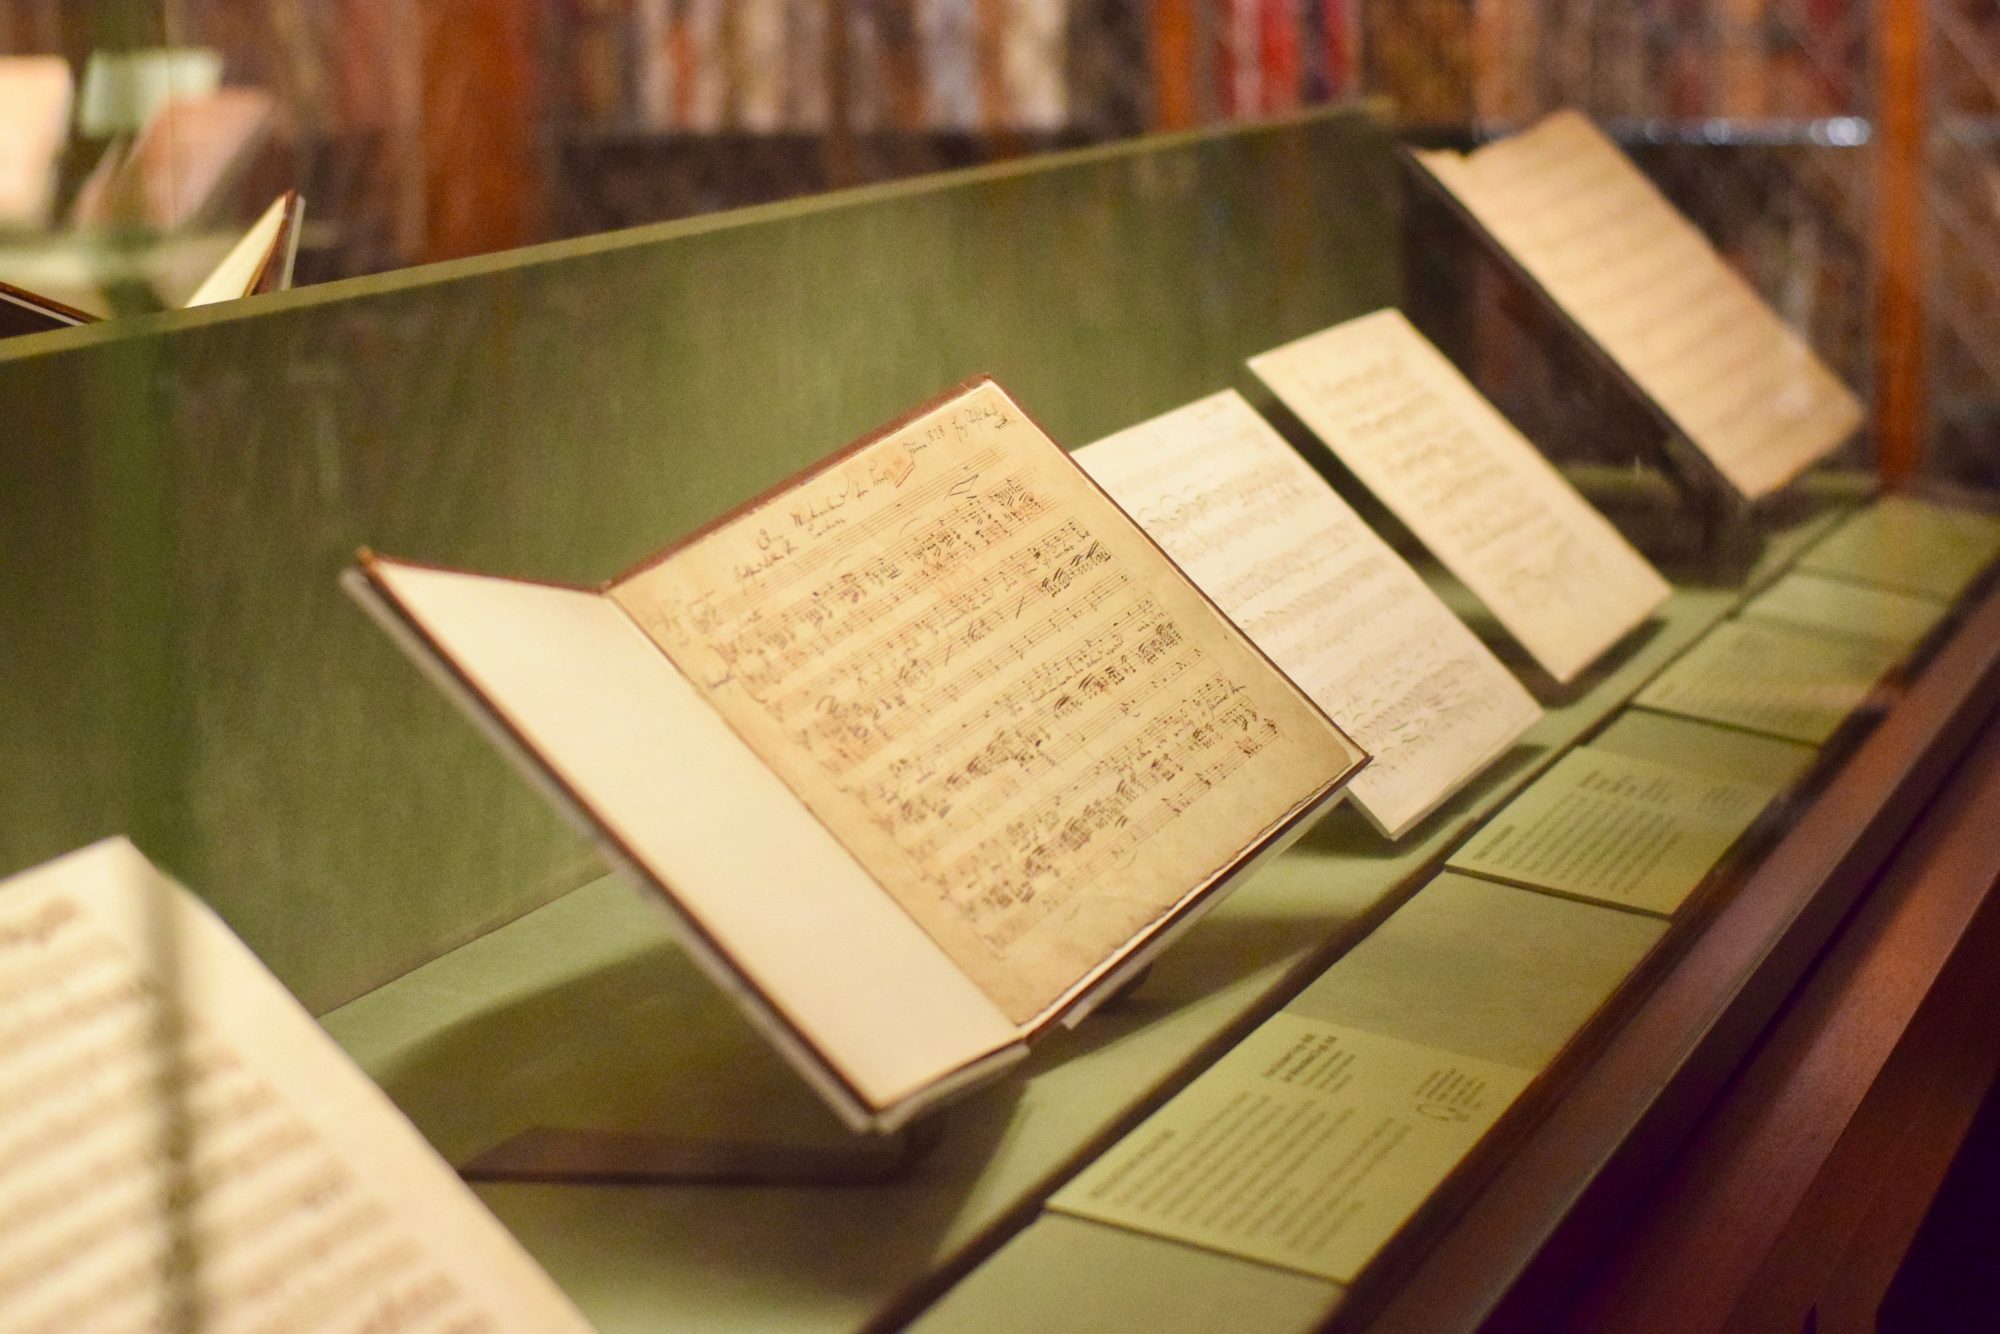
(1642, 282)
(1313, 586)
(1551, 569)
(186, 1148)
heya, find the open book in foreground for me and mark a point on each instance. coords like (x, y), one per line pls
(187, 1149)
(1641, 282)
(926, 750)
(260, 262)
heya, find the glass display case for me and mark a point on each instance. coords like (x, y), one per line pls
(1785, 759)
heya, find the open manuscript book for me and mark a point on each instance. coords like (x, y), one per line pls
(186, 1149)
(259, 262)
(927, 749)
(1673, 319)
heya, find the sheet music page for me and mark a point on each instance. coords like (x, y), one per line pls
(1643, 282)
(182, 1147)
(1026, 724)
(1313, 586)
(1552, 570)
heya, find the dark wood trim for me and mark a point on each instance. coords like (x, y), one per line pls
(1805, 1185)
(1546, 1214)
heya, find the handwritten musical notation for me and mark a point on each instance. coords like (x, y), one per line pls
(151, 1176)
(1013, 711)
(1645, 284)
(1552, 570)
(1313, 586)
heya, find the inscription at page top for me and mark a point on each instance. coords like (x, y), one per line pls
(1649, 289)
(1552, 570)
(1328, 600)
(1018, 716)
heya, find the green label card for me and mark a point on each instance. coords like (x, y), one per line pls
(1763, 677)
(1910, 545)
(1835, 606)
(1613, 829)
(1305, 1147)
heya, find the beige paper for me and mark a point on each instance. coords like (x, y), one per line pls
(239, 270)
(1306, 1146)
(1551, 569)
(1612, 829)
(1313, 586)
(1835, 606)
(1648, 288)
(35, 93)
(978, 673)
(180, 1144)
(1913, 546)
(1796, 684)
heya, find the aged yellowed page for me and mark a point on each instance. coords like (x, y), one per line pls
(181, 1147)
(1643, 282)
(1025, 723)
(1313, 586)
(1306, 1146)
(1552, 570)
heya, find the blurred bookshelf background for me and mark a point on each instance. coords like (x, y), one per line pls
(1845, 155)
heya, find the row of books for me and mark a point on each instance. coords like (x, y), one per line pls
(702, 66)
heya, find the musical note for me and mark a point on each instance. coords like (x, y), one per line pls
(156, 1173)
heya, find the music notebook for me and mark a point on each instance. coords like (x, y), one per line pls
(926, 750)
(185, 1148)
(1675, 321)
